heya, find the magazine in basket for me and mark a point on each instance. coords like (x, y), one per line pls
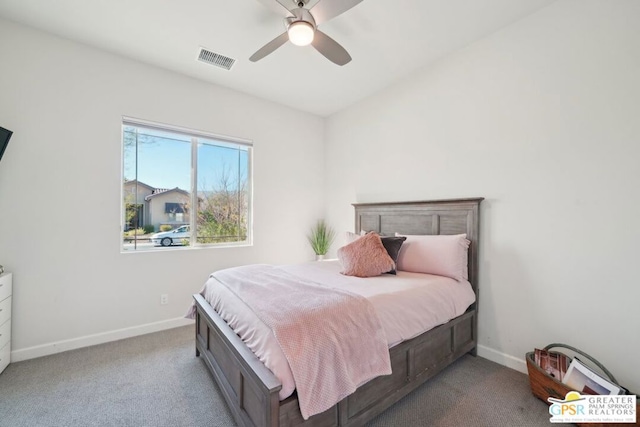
(582, 378)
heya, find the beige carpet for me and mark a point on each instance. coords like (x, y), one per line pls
(156, 380)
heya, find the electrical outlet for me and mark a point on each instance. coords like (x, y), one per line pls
(164, 299)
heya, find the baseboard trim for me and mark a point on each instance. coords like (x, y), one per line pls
(104, 337)
(502, 358)
(101, 338)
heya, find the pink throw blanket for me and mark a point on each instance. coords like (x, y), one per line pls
(331, 338)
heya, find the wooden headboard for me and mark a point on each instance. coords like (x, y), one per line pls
(455, 216)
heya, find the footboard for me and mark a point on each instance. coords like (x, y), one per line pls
(251, 390)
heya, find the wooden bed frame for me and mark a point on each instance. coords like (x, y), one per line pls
(251, 389)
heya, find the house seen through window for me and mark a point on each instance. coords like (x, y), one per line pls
(183, 188)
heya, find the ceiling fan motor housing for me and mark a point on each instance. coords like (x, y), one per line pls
(300, 14)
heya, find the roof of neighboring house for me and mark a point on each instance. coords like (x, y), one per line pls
(159, 191)
(134, 182)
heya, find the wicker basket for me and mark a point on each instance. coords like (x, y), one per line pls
(544, 386)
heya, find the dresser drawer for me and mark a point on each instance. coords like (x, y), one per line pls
(5, 310)
(5, 286)
(5, 333)
(5, 356)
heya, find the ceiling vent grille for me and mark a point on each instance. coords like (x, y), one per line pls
(216, 59)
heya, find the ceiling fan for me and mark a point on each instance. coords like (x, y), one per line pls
(302, 27)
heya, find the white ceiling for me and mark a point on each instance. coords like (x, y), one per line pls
(387, 39)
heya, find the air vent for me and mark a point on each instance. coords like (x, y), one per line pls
(216, 59)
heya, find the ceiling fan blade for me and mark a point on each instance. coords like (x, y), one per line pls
(328, 9)
(288, 4)
(278, 6)
(330, 48)
(270, 47)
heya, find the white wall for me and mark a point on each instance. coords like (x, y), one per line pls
(541, 119)
(60, 189)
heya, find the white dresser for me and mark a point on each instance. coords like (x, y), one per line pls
(5, 320)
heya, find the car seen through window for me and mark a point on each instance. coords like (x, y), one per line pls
(171, 237)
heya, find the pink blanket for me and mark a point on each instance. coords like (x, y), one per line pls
(331, 338)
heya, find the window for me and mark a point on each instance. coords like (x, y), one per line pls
(173, 178)
(175, 211)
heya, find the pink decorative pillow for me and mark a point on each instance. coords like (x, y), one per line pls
(365, 257)
(444, 255)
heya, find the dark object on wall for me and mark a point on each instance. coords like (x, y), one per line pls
(5, 136)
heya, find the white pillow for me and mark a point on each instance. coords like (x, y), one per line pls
(350, 237)
(444, 255)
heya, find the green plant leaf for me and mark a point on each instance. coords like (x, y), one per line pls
(321, 237)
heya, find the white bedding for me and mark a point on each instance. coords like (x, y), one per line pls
(407, 304)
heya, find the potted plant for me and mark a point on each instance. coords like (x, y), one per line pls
(320, 238)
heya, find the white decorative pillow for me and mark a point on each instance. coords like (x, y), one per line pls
(350, 237)
(444, 255)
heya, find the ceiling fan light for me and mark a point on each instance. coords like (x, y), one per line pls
(301, 33)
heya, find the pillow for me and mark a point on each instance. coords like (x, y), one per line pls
(365, 257)
(444, 255)
(393, 245)
(350, 237)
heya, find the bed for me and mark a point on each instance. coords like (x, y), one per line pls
(252, 390)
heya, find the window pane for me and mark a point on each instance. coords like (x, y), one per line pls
(156, 184)
(222, 192)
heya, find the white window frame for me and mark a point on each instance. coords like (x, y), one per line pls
(194, 134)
